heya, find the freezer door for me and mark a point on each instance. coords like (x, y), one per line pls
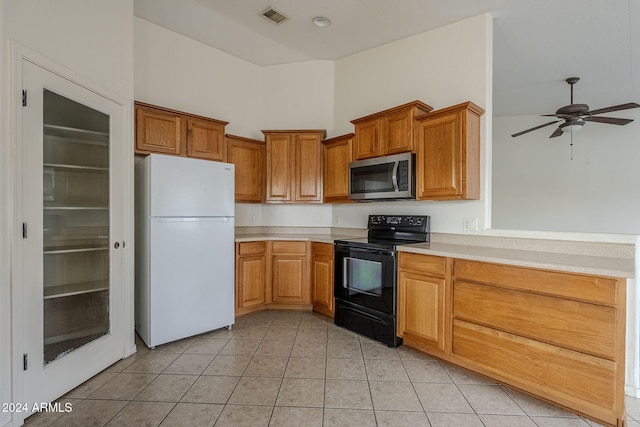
(184, 187)
(191, 277)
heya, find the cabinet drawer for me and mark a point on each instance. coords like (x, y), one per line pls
(575, 325)
(601, 290)
(324, 249)
(289, 247)
(570, 378)
(422, 263)
(252, 248)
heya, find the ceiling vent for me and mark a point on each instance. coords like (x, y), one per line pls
(273, 15)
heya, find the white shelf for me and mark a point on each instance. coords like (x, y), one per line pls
(74, 135)
(74, 250)
(75, 167)
(60, 291)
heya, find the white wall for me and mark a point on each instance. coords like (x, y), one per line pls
(536, 185)
(180, 73)
(298, 96)
(442, 67)
(5, 230)
(92, 39)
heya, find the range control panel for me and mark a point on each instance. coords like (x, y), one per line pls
(405, 222)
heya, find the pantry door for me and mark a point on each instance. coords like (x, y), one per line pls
(71, 251)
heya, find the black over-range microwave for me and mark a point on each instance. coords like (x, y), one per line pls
(387, 177)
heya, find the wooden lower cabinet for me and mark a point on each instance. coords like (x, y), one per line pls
(322, 278)
(422, 296)
(272, 274)
(252, 269)
(556, 335)
(289, 277)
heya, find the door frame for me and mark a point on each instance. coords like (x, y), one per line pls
(18, 54)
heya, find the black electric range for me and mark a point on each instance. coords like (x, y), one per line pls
(365, 277)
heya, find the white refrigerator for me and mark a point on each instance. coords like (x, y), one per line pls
(184, 247)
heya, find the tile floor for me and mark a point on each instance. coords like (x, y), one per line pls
(283, 368)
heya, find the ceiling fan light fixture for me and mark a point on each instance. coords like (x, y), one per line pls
(573, 126)
(321, 21)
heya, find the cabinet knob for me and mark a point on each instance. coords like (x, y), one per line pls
(116, 245)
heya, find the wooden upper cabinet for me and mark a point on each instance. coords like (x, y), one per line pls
(279, 162)
(387, 132)
(448, 153)
(308, 167)
(205, 140)
(367, 140)
(248, 156)
(161, 130)
(337, 153)
(294, 166)
(158, 131)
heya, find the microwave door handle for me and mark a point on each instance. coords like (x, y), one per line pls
(394, 177)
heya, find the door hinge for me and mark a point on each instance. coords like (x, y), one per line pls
(24, 362)
(24, 98)
(24, 230)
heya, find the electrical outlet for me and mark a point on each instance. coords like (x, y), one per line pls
(338, 220)
(251, 219)
(470, 224)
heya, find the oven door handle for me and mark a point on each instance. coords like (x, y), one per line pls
(348, 249)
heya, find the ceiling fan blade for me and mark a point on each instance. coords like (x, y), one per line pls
(626, 106)
(535, 128)
(556, 133)
(608, 120)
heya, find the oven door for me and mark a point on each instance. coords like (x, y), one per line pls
(366, 277)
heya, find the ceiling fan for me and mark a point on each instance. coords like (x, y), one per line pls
(576, 115)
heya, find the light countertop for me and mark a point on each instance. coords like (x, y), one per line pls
(577, 263)
(587, 258)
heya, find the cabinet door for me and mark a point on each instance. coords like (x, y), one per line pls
(365, 144)
(279, 165)
(421, 309)
(322, 278)
(159, 132)
(248, 157)
(71, 258)
(337, 156)
(290, 279)
(250, 281)
(308, 168)
(396, 133)
(205, 140)
(439, 158)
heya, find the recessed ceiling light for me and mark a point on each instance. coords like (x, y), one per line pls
(321, 21)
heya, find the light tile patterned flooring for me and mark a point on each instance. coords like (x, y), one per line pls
(284, 368)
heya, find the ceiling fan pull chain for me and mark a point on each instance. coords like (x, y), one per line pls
(571, 155)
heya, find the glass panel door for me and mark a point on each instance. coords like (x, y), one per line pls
(75, 225)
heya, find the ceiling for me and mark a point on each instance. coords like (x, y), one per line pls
(537, 43)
